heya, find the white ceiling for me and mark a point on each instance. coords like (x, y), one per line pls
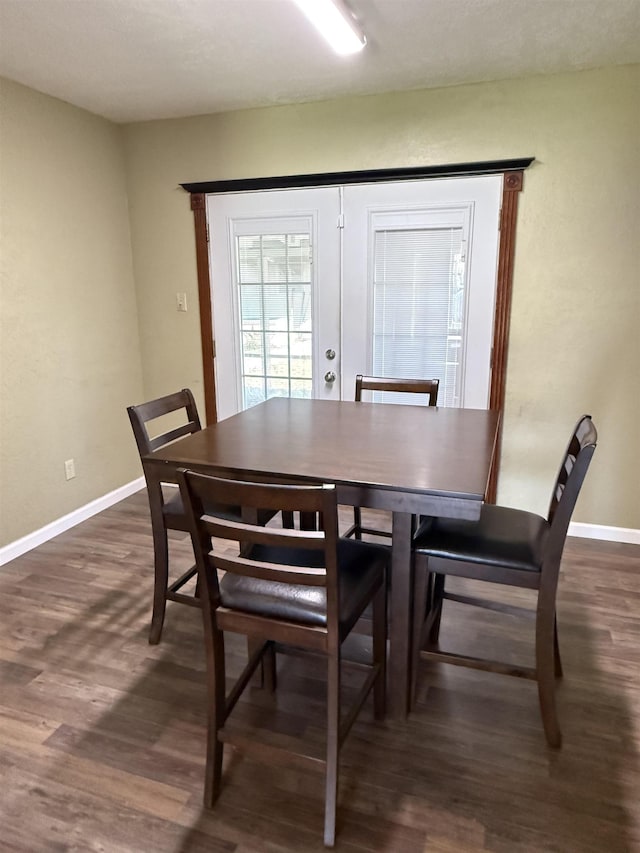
(131, 60)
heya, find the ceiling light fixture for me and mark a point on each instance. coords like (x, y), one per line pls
(336, 23)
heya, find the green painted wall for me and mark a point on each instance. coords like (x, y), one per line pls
(69, 344)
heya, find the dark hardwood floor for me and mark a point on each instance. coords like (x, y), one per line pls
(102, 736)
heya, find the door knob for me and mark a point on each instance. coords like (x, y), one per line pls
(329, 376)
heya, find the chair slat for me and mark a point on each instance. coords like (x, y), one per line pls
(406, 386)
(313, 540)
(303, 575)
(167, 437)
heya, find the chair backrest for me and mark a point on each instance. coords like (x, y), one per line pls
(140, 416)
(405, 386)
(318, 548)
(573, 469)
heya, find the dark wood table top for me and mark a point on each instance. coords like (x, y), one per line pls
(411, 449)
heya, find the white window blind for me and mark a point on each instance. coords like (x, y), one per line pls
(419, 307)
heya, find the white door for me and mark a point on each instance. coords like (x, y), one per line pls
(275, 285)
(419, 267)
(390, 279)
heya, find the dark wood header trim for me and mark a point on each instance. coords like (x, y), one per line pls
(367, 176)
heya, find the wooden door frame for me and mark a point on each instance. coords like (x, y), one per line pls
(513, 178)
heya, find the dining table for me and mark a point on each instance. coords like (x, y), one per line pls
(409, 460)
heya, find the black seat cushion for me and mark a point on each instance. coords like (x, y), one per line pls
(505, 537)
(361, 568)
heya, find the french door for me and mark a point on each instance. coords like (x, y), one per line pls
(275, 264)
(419, 266)
(311, 287)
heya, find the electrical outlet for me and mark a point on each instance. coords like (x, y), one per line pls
(181, 301)
(70, 469)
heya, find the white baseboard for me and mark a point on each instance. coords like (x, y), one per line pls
(603, 531)
(32, 540)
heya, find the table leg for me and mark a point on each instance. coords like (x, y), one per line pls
(399, 669)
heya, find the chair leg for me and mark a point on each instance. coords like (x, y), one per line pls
(333, 732)
(357, 522)
(436, 598)
(266, 676)
(216, 714)
(379, 630)
(557, 660)
(545, 669)
(269, 677)
(160, 583)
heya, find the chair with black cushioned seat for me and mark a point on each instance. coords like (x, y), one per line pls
(506, 546)
(427, 387)
(167, 511)
(297, 588)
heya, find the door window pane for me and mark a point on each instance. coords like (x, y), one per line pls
(419, 307)
(253, 391)
(301, 388)
(252, 353)
(274, 284)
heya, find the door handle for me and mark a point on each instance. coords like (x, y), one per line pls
(329, 377)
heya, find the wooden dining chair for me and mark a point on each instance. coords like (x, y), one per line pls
(172, 417)
(427, 387)
(165, 503)
(290, 587)
(506, 546)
